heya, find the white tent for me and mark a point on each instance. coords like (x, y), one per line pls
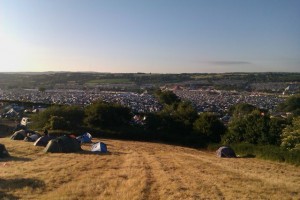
(99, 147)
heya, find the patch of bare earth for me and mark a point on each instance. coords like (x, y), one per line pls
(140, 170)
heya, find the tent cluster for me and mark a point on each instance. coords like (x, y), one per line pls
(25, 135)
(62, 144)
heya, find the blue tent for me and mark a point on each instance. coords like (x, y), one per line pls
(85, 138)
(99, 147)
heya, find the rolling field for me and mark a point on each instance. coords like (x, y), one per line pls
(140, 170)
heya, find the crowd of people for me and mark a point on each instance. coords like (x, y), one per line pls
(220, 101)
(137, 102)
(205, 100)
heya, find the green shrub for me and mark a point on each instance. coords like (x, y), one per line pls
(290, 138)
(59, 132)
(56, 122)
(244, 148)
(268, 152)
(107, 115)
(213, 147)
(72, 114)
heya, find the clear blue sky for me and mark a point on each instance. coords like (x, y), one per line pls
(158, 36)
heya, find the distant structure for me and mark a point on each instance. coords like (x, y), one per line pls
(286, 90)
(291, 89)
(177, 87)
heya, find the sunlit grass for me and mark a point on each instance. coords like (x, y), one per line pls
(139, 170)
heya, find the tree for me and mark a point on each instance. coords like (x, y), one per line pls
(57, 123)
(275, 130)
(177, 118)
(252, 128)
(209, 127)
(182, 111)
(241, 109)
(107, 115)
(186, 113)
(167, 97)
(290, 138)
(72, 114)
(236, 131)
(257, 128)
(153, 122)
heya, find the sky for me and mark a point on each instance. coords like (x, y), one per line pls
(150, 36)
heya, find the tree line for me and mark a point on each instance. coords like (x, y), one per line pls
(179, 122)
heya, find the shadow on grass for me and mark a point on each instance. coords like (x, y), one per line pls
(7, 196)
(14, 158)
(100, 153)
(18, 183)
(247, 156)
(95, 153)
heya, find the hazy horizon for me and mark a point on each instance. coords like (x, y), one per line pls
(231, 72)
(133, 36)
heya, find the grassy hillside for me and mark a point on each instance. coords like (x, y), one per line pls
(139, 170)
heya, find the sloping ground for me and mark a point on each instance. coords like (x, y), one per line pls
(139, 170)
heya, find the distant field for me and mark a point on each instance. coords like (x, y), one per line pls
(140, 170)
(219, 76)
(109, 81)
(207, 76)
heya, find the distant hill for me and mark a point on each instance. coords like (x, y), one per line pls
(136, 81)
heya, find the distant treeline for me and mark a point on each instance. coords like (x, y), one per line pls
(53, 80)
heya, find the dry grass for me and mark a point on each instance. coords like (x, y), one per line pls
(139, 170)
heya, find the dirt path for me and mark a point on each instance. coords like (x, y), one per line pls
(140, 170)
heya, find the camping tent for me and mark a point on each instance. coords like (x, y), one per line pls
(32, 138)
(3, 151)
(63, 144)
(19, 135)
(99, 147)
(43, 141)
(85, 138)
(225, 152)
